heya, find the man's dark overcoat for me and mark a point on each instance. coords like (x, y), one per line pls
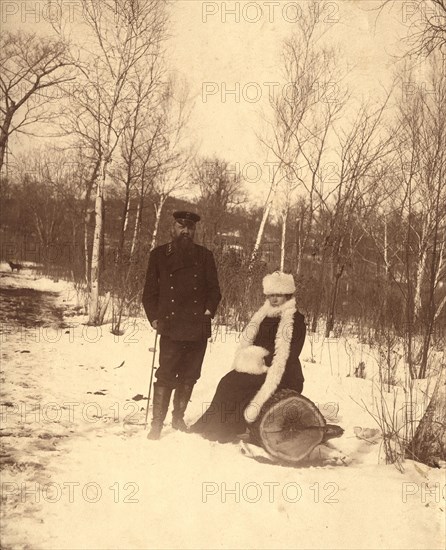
(178, 291)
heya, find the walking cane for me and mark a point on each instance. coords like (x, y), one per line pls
(153, 369)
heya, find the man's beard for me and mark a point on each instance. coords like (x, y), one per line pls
(185, 247)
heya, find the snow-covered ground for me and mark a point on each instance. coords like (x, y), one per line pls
(78, 471)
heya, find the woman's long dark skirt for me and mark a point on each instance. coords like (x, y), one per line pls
(224, 418)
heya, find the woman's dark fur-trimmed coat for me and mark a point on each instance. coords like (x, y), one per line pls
(266, 361)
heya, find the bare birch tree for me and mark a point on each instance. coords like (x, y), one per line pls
(285, 198)
(50, 185)
(421, 149)
(303, 116)
(429, 442)
(174, 156)
(123, 35)
(32, 69)
(139, 148)
(427, 25)
(219, 193)
(363, 148)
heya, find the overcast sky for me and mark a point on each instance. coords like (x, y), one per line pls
(219, 47)
(215, 51)
(238, 49)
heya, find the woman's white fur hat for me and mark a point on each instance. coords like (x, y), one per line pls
(278, 283)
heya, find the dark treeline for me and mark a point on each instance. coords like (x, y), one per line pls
(39, 225)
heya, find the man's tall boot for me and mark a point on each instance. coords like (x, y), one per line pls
(181, 399)
(161, 400)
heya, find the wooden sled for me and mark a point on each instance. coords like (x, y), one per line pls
(290, 426)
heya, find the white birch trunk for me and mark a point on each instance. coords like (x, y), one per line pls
(418, 282)
(386, 248)
(86, 251)
(282, 244)
(266, 211)
(126, 220)
(136, 230)
(158, 210)
(421, 267)
(96, 252)
(261, 230)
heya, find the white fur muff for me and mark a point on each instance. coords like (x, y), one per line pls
(251, 360)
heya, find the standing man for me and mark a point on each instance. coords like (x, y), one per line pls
(180, 297)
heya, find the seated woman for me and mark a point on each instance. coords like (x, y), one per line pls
(266, 360)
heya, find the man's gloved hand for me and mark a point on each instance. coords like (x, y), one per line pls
(154, 324)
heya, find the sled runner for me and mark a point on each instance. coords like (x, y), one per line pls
(289, 426)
